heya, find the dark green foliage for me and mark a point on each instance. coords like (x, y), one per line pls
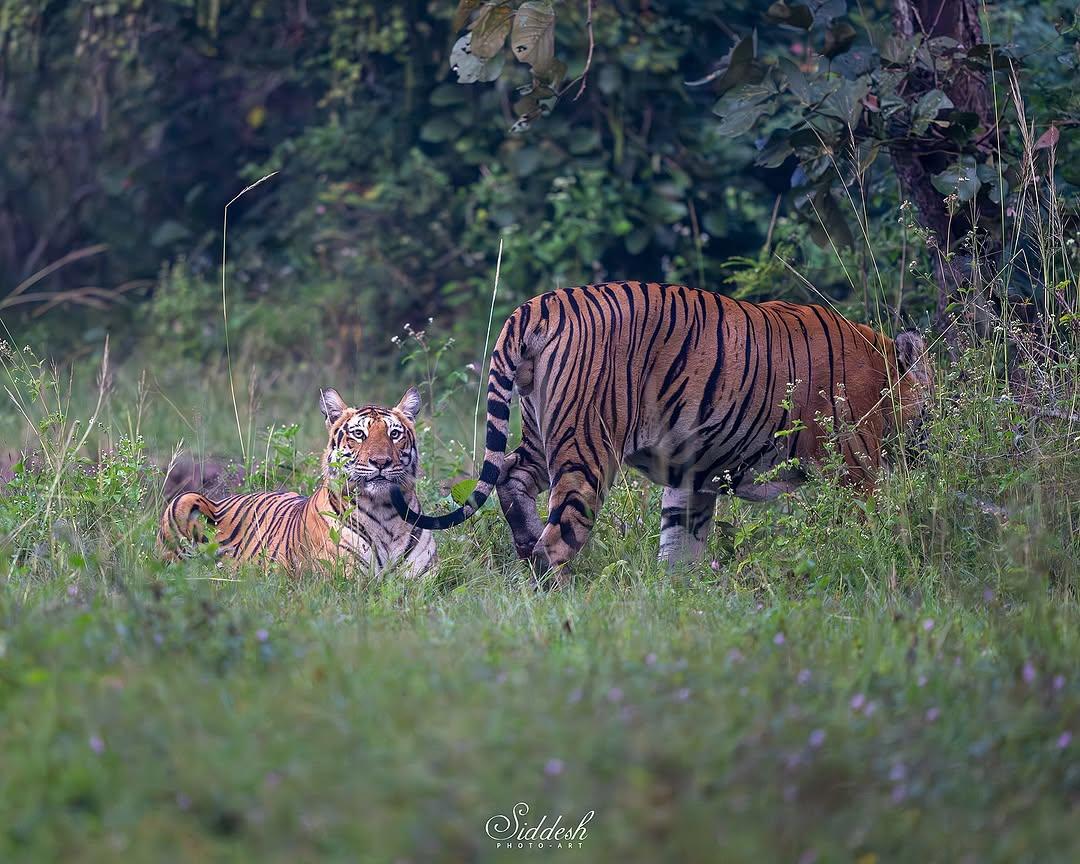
(130, 125)
(835, 98)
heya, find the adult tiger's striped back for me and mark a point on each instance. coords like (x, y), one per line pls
(370, 450)
(688, 386)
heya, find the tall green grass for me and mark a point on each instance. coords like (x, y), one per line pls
(840, 678)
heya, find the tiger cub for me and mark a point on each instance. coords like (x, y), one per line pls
(370, 451)
(700, 392)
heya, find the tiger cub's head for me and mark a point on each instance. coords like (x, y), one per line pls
(370, 448)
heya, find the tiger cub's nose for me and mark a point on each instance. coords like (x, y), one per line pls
(381, 462)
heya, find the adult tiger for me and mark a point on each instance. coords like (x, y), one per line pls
(701, 392)
(370, 451)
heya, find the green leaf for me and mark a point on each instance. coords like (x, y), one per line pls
(961, 178)
(740, 64)
(532, 38)
(471, 69)
(794, 16)
(775, 153)
(845, 103)
(897, 51)
(446, 94)
(926, 109)
(439, 128)
(809, 91)
(169, 232)
(489, 31)
(741, 119)
(838, 39)
(997, 183)
(461, 491)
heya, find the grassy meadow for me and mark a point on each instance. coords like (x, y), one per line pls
(892, 679)
(841, 679)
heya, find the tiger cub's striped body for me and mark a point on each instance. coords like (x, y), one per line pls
(700, 392)
(370, 450)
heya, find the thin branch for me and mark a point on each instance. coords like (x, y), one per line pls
(592, 44)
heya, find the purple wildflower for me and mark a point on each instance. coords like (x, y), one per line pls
(817, 738)
(1064, 740)
(97, 744)
(928, 624)
(553, 767)
(1028, 672)
(779, 638)
(857, 702)
(803, 677)
(932, 714)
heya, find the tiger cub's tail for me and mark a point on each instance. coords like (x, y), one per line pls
(182, 525)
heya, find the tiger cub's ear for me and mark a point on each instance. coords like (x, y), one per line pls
(331, 404)
(410, 403)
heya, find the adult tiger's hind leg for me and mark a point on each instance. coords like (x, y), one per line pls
(686, 519)
(578, 490)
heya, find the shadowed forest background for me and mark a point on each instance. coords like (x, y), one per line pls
(127, 126)
(842, 678)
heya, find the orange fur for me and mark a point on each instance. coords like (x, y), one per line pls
(701, 392)
(369, 450)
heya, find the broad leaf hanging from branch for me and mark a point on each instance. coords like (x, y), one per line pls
(479, 55)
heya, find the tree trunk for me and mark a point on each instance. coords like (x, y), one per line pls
(958, 19)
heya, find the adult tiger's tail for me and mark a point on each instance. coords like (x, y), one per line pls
(181, 525)
(514, 344)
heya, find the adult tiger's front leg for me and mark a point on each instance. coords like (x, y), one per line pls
(685, 522)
